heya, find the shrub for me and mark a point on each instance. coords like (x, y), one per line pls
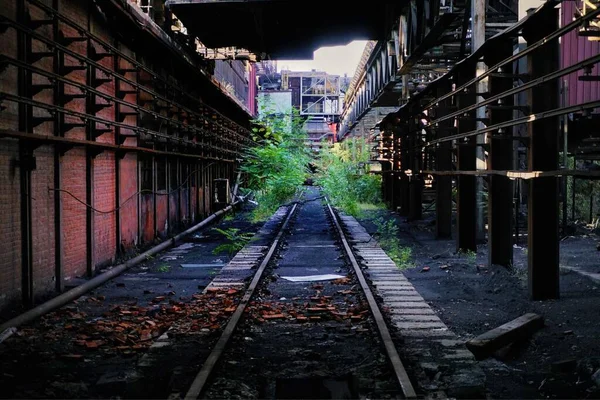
(345, 178)
(277, 166)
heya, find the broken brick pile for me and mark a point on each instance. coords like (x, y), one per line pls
(129, 328)
(319, 307)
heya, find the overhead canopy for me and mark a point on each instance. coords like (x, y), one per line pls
(283, 29)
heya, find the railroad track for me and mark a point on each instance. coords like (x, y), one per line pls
(147, 333)
(298, 333)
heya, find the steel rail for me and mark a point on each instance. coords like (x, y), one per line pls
(392, 353)
(555, 35)
(98, 280)
(201, 379)
(526, 175)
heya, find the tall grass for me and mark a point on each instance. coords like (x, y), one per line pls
(344, 176)
(277, 166)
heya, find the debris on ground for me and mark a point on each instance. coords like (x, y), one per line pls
(518, 329)
(127, 328)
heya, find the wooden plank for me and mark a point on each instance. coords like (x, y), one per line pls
(520, 328)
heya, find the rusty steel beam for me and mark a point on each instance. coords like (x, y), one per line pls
(543, 224)
(466, 238)
(443, 185)
(500, 188)
(416, 181)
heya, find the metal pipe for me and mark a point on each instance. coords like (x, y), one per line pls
(93, 283)
(543, 41)
(517, 121)
(521, 88)
(115, 49)
(32, 137)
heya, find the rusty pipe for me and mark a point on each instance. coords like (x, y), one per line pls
(93, 283)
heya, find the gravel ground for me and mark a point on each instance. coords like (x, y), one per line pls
(306, 339)
(559, 360)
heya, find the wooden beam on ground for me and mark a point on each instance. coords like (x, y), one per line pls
(517, 329)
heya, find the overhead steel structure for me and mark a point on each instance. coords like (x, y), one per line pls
(434, 133)
(280, 29)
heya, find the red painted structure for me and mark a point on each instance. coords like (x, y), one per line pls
(573, 49)
(112, 201)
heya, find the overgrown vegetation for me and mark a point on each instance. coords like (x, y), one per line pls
(387, 236)
(471, 257)
(164, 268)
(344, 176)
(586, 206)
(277, 166)
(235, 240)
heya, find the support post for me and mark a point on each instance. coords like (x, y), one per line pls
(26, 164)
(466, 199)
(404, 179)
(89, 213)
(543, 226)
(58, 231)
(385, 174)
(443, 184)
(500, 208)
(416, 181)
(478, 13)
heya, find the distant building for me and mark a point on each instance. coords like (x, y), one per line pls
(316, 95)
(276, 104)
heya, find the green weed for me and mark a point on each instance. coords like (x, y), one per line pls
(345, 178)
(164, 268)
(277, 166)
(387, 236)
(471, 256)
(235, 240)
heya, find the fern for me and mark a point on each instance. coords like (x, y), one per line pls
(235, 240)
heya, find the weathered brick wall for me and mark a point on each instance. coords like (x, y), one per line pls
(10, 223)
(73, 170)
(42, 205)
(140, 220)
(10, 192)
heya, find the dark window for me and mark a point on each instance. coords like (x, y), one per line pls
(161, 174)
(173, 181)
(146, 172)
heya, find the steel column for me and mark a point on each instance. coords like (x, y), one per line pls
(443, 185)
(58, 88)
(26, 164)
(478, 13)
(543, 226)
(416, 182)
(467, 161)
(500, 209)
(404, 165)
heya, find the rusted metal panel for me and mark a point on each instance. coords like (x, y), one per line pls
(573, 49)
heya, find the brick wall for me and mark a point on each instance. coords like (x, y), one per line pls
(10, 224)
(136, 219)
(42, 205)
(73, 179)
